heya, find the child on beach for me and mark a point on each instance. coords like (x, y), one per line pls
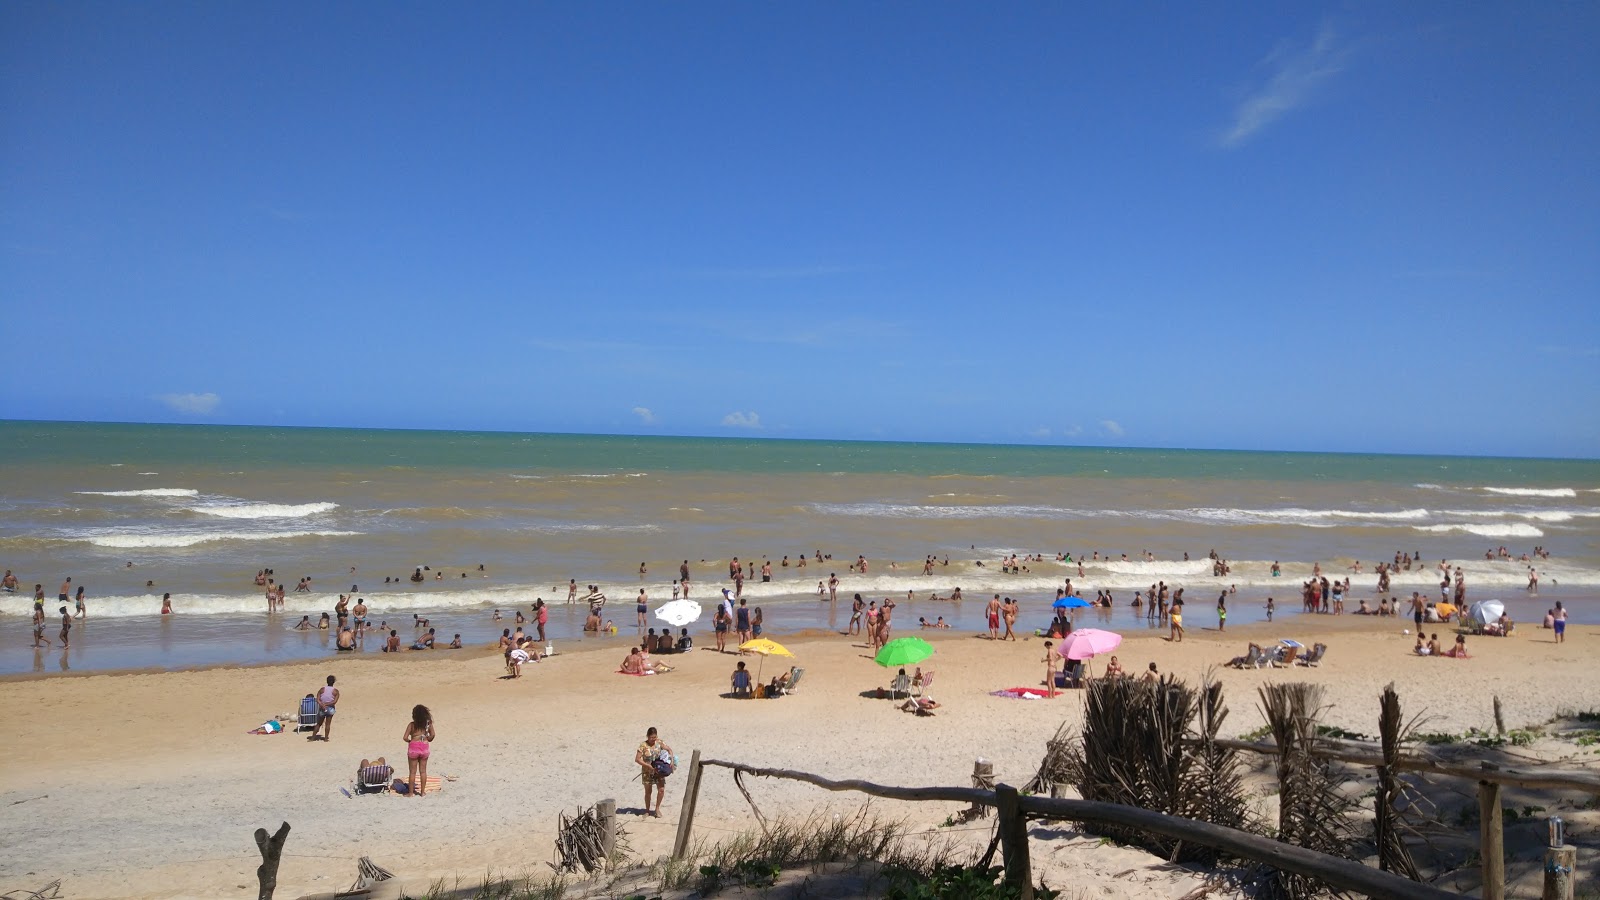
(1271, 606)
(419, 736)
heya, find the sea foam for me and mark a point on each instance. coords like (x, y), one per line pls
(1533, 492)
(244, 510)
(192, 538)
(149, 492)
(1492, 530)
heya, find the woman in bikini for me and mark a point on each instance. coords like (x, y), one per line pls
(419, 738)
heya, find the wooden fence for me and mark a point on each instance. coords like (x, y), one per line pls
(1014, 811)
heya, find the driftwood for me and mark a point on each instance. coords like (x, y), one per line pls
(49, 892)
(1341, 873)
(581, 841)
(1587, 782)
(368, 873)
(271, 847)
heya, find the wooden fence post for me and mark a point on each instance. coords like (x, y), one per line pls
(606, 812)
(691, 794)
(1013, 828)
(271, 850)
(1559, 875)
(1491, 841)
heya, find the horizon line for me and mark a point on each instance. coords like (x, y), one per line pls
(836, 440)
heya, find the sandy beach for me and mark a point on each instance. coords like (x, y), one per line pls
(147, 785)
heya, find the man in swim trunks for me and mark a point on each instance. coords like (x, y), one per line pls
(993, 612)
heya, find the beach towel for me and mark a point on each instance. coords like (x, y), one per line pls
(402, 789)
(1022, 693)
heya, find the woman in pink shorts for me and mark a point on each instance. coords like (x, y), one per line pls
(419, 735)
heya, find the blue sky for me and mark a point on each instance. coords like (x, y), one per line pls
(1365, 226)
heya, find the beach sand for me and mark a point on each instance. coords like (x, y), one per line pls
(147, 784)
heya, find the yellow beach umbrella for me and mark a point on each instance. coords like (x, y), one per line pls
(766, 647)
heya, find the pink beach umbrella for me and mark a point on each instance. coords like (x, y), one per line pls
(1086, 642)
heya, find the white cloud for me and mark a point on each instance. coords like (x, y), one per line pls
(738, 419)
(646, 417)
(1294, 73)
(1112, 427)
(191, 404)
(1039, 433)
(1072, 431)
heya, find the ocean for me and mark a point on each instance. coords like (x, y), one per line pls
(131, 512)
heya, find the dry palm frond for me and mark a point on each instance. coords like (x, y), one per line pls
(1313, 808)
(1140, 747)
(1388, 822)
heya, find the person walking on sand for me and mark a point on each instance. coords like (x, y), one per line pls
(858, 608)
(1560, 623)
(653, 749)
(993, 613)
(419, 737)
(1009, 613)
(1175, 616)
(327, 698)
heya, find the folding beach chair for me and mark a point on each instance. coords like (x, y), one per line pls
(900, 685)
(1254, 659)
(374, 779)
(310, 714)
(1286, 657)
(741, 684)
(794, 680)
(1315, 656)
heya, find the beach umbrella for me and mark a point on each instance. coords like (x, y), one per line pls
(1486, 611)
(766, 647)
(679, 613)
(1071, 603)
(1087, 642)
(906, 651)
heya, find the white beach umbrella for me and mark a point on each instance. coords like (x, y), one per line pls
(1486, 611)
(679, 613)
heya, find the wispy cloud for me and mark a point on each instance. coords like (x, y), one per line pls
(738, 419)
(1571, 352)
(191, 404)
(1293, 74)
(583, 346)
(767, 273)
(1072, 431)
(646, 417)
(1039, 433)
(1112, 428)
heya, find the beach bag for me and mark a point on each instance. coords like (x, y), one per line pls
(663, 766)
(400, 787)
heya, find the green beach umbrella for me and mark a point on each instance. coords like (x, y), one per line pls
(906, 651)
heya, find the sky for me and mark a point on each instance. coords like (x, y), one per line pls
(1355, 226)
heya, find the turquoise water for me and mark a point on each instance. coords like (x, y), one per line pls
(73, 443)
(132, 512)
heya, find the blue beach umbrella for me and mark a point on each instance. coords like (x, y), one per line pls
(1071, 603)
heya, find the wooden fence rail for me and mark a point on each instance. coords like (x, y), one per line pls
(1015, 810)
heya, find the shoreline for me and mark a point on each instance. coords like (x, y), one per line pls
(158, 769)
